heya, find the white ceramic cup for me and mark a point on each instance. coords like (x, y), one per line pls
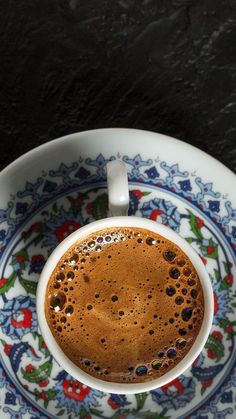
(118, 206)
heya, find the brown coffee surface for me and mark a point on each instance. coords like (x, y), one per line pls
(125, 304)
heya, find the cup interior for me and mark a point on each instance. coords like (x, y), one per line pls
(66, 363)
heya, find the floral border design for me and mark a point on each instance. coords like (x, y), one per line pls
(88, 172)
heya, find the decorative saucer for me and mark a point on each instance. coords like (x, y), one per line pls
(58, 187)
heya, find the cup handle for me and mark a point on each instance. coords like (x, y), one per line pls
(118, 189)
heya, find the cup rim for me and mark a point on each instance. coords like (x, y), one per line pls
(78, 373)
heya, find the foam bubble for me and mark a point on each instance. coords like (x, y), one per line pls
(60, 276)
(182, 331)
(169, 255)
(70, 275)
(170, 290)
(58, 301)
(150, 241)
(69, 310)
(73, 259)
(174, 273)
(181, 343)
(179, 300)
(187, 271)
(141, 370)
(91, 244)
(156, 364)
(181, 262)
(186, 314)
(171, 353)
(194, 293)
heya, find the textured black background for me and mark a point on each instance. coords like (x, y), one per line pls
(166, 66)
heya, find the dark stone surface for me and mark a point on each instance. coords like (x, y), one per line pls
(162, 65)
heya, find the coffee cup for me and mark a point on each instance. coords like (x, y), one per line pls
(118, 219)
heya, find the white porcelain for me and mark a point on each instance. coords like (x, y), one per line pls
(118, 189)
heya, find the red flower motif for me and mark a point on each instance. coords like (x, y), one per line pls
(216, 306)
(20, 259)
(211, 354)
(210, 250)
(207, 383)
(66, 229)
(155, 214)
(43, 395)
(199, 222)
(43, 383)
(175, 383)
(44, 346)
(229, 328)
(7, 349)
(75, 390)
(27, 319)
(203, 260)
(36, 227)
(36, 264)
(89, 208)
(229, 279)
(2, 282)
(113, 403)
(137, 193)
(217, 335)
(29, 368)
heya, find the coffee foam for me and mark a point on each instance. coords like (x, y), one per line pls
(125, 305)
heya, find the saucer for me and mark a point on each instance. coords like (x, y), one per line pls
(60, 186)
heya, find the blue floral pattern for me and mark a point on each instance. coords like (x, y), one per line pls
(162, 211)
(32, 383)
(73, 396)
(60, 225)
(18, 317)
